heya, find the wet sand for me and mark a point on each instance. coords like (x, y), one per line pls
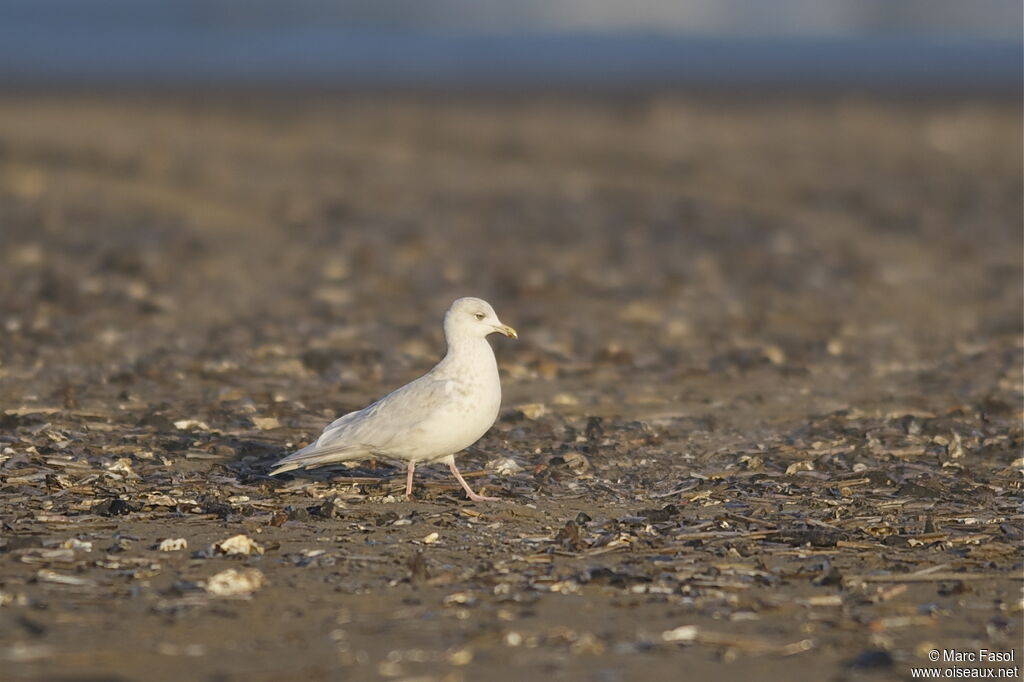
(763, 417)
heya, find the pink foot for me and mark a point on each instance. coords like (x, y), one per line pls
(465, 486)
(408, 479)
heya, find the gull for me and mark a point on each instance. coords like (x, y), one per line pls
(430, 419)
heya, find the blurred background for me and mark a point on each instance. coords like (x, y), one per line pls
(721, 43)
(792, 162)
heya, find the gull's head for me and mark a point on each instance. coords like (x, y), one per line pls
(473, 318)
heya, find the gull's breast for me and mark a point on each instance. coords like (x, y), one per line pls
(468, 412)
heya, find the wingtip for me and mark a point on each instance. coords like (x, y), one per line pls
(282, 469)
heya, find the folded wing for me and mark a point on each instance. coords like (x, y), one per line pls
(369, 431)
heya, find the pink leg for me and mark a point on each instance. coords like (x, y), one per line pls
(469, 491)
(408, 479)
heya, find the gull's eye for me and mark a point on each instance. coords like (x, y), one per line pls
(480, 316)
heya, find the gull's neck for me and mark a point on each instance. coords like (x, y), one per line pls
(467, 351)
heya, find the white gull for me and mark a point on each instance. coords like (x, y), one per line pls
(430, 419)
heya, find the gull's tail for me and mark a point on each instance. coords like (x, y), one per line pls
(311, 457)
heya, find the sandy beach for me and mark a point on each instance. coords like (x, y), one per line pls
(763, 418)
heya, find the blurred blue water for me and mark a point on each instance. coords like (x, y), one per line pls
(313, 43)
